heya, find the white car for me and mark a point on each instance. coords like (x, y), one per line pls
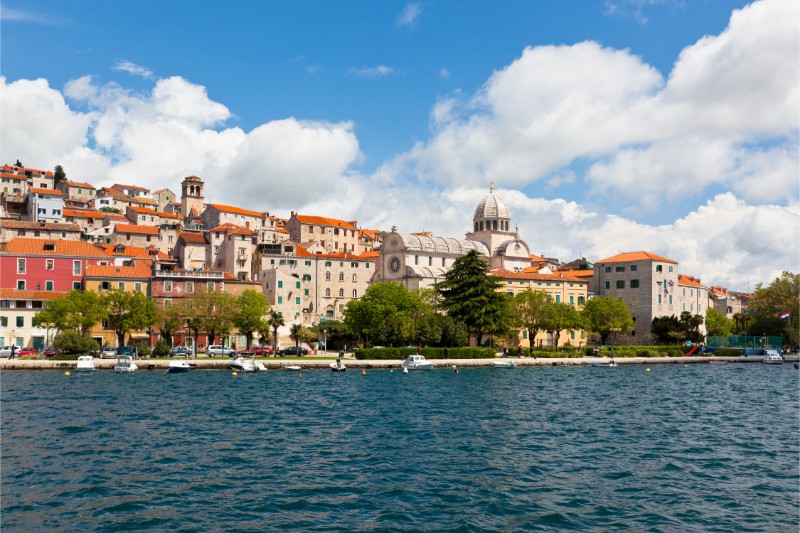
(218, 349)
(5, 351)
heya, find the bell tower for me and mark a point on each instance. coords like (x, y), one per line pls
(192, 196)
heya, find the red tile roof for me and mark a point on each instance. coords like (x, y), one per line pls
(16, 294)
(142, 270)
(51, 192)
(636, 256)
(236, 210)
(132, 187)
(233, 229)
(80, 185)
(534, 276)
(131, 228)
(689, 281)
(134, 251)
(193, 237)
(324, 221)
(153, 212)
(83, 213)
(47, 226)
(26, 246)
(20, 177)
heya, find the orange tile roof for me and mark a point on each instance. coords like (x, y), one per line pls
(534, 276)
(132, 187)
(370, 233)
(236, 210)
(16, 294)
(80, 185)
(366, 256)
(689, 281)
(233, 229)
(324, 221)
(636, 256)
(27, 246)
(193, 237)
(132, 228)
(20, 177)
(116, 216)
(133, 251)
(82, 213)
(143, 270)
(47, 226)
(281, 229)
(581, 273)
(148, 211)
(51, 192)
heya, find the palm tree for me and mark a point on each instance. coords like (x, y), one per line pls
(296, 333)
(275, 321)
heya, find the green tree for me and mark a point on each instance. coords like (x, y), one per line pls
(606, 315)
(210, 312)
(72, 341)
(385, 314)
(690, 326)
(561, 316)
(276, 321)
(78, 310)
(250, 310)
(263, 332)
(128, 311)
(169, 320)
(59, 175)
(530, 311)
(110, 210)
(717, 324)
(667, 329)
(741, 322)
(469, 294)
(297, 333)
(768, 302)
(18, 164)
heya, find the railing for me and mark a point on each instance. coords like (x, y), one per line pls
(188, 274)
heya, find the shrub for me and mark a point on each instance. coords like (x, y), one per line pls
(162, 348)
(143, 349)
(728, 352)
(72, 342)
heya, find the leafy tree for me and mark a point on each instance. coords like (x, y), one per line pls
(607, 314)
(78, 310)
(690, 326)
(59, 175)
(454, 333)
(297, 333)
(263, 332)
(667, 329)
(385, 314)
(18, 164)
(71, 341)
(531, 310)
(110, 210)
(251, 307)
(561, 316)
(210, 312)
(781, 296)
(336, 334)
(128, 311)
(741, 322)
(717, 324)
(169, 320)
(276, 321)
(469, 295)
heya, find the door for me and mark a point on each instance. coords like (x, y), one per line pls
(38, 343)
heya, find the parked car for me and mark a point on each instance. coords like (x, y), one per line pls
(26, 352)
(262, 350)
(132, 351)
(293, 350)
(50, 351)
(9, 351)
(218, 349)
(108, 353)
(181, 351)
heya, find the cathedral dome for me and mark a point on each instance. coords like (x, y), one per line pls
(491, 207)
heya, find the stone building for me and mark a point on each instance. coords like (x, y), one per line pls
(10, 229)
(334, 235)
(192, 199)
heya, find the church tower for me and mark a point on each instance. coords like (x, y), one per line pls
(192, 196)
(491, 223)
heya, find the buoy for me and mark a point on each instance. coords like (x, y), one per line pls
(66, 373)
(363, 372)
(648, 370)
(234, 374)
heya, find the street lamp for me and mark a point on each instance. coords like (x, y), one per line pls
(325, 339)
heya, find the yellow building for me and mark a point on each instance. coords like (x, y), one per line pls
(102, 278)
(561, 286)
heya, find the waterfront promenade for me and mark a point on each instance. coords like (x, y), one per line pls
(311, 364)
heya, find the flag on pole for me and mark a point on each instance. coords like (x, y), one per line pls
(784, 315)
(671, 283)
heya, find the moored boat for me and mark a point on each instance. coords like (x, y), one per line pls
(246, 365)
(338, 366)
(772, 357)
(125, 363)
(604, 364)
(179, 365)
(505, 364)
(85, 364)
(417, 362)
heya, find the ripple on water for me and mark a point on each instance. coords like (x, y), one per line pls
(544, 449)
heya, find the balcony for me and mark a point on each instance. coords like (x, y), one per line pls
(194, 274)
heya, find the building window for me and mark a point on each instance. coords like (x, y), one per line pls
(307, 263)
(76, 285)
(280, 284)
(4, 321)
(20, 266)
(670, 268)
(620, 283)
(297, 285)
(121, 285)
(297, 301)
(633, 268)
(167, 304)
(137, 286)
(670, 299)
(76, 268)
(341, 293)
(341, 276)
(634, 284)
(48, 285)
(571, 299)
(49, 264)
(558, 298)
(581, 300)
(327, 276)
(355, 293)
(608, 269)
(305, 292)
(105, 285)
(280, 299)
(168, 286)
(20, 284)
(189, 287)
(619, 269)
(20, 321)
(608, 284)
(210, 286)
(659, 268)
(327, 293)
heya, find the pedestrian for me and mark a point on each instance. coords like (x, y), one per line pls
(519, 351)
(505, 351)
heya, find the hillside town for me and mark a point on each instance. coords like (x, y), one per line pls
(59, 235)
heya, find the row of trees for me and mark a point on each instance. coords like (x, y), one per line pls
(468, 302)
(210, 313)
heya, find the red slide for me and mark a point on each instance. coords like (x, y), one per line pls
(690, 352)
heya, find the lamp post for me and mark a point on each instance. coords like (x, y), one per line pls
(325, 339)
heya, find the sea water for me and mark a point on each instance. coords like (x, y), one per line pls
(675, 449)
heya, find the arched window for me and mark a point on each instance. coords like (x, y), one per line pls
(476, 226)
(327, 293)
(481, 225)
(341, 276)
(430, 261)
(341, 293)
(355, 293)
(355, 278)
(328, 275)
(494, 224)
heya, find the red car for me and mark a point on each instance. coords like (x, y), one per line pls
(22, 352)
(50, 351)
(262, 350)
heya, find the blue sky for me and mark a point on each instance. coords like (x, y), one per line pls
(607, 126)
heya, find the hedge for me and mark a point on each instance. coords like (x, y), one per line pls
(429, 353)
(635, 351)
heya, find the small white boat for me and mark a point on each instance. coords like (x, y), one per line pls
(417, 362)
(338, 366)
(246, 365)
(292, 367)
(85, 364)
(505, 364)
(604, 364)
(179, 365)
(125, 364)
(772, 357)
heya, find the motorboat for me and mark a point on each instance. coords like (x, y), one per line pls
(292, 367)
(505, 364)
(178, 365)
(85, 364)
(246, 365)
(772, 357)
(417, 362)
(604, 364)
(125, 364)
(338, 366)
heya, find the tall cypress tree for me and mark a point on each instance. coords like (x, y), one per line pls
(469, 295)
